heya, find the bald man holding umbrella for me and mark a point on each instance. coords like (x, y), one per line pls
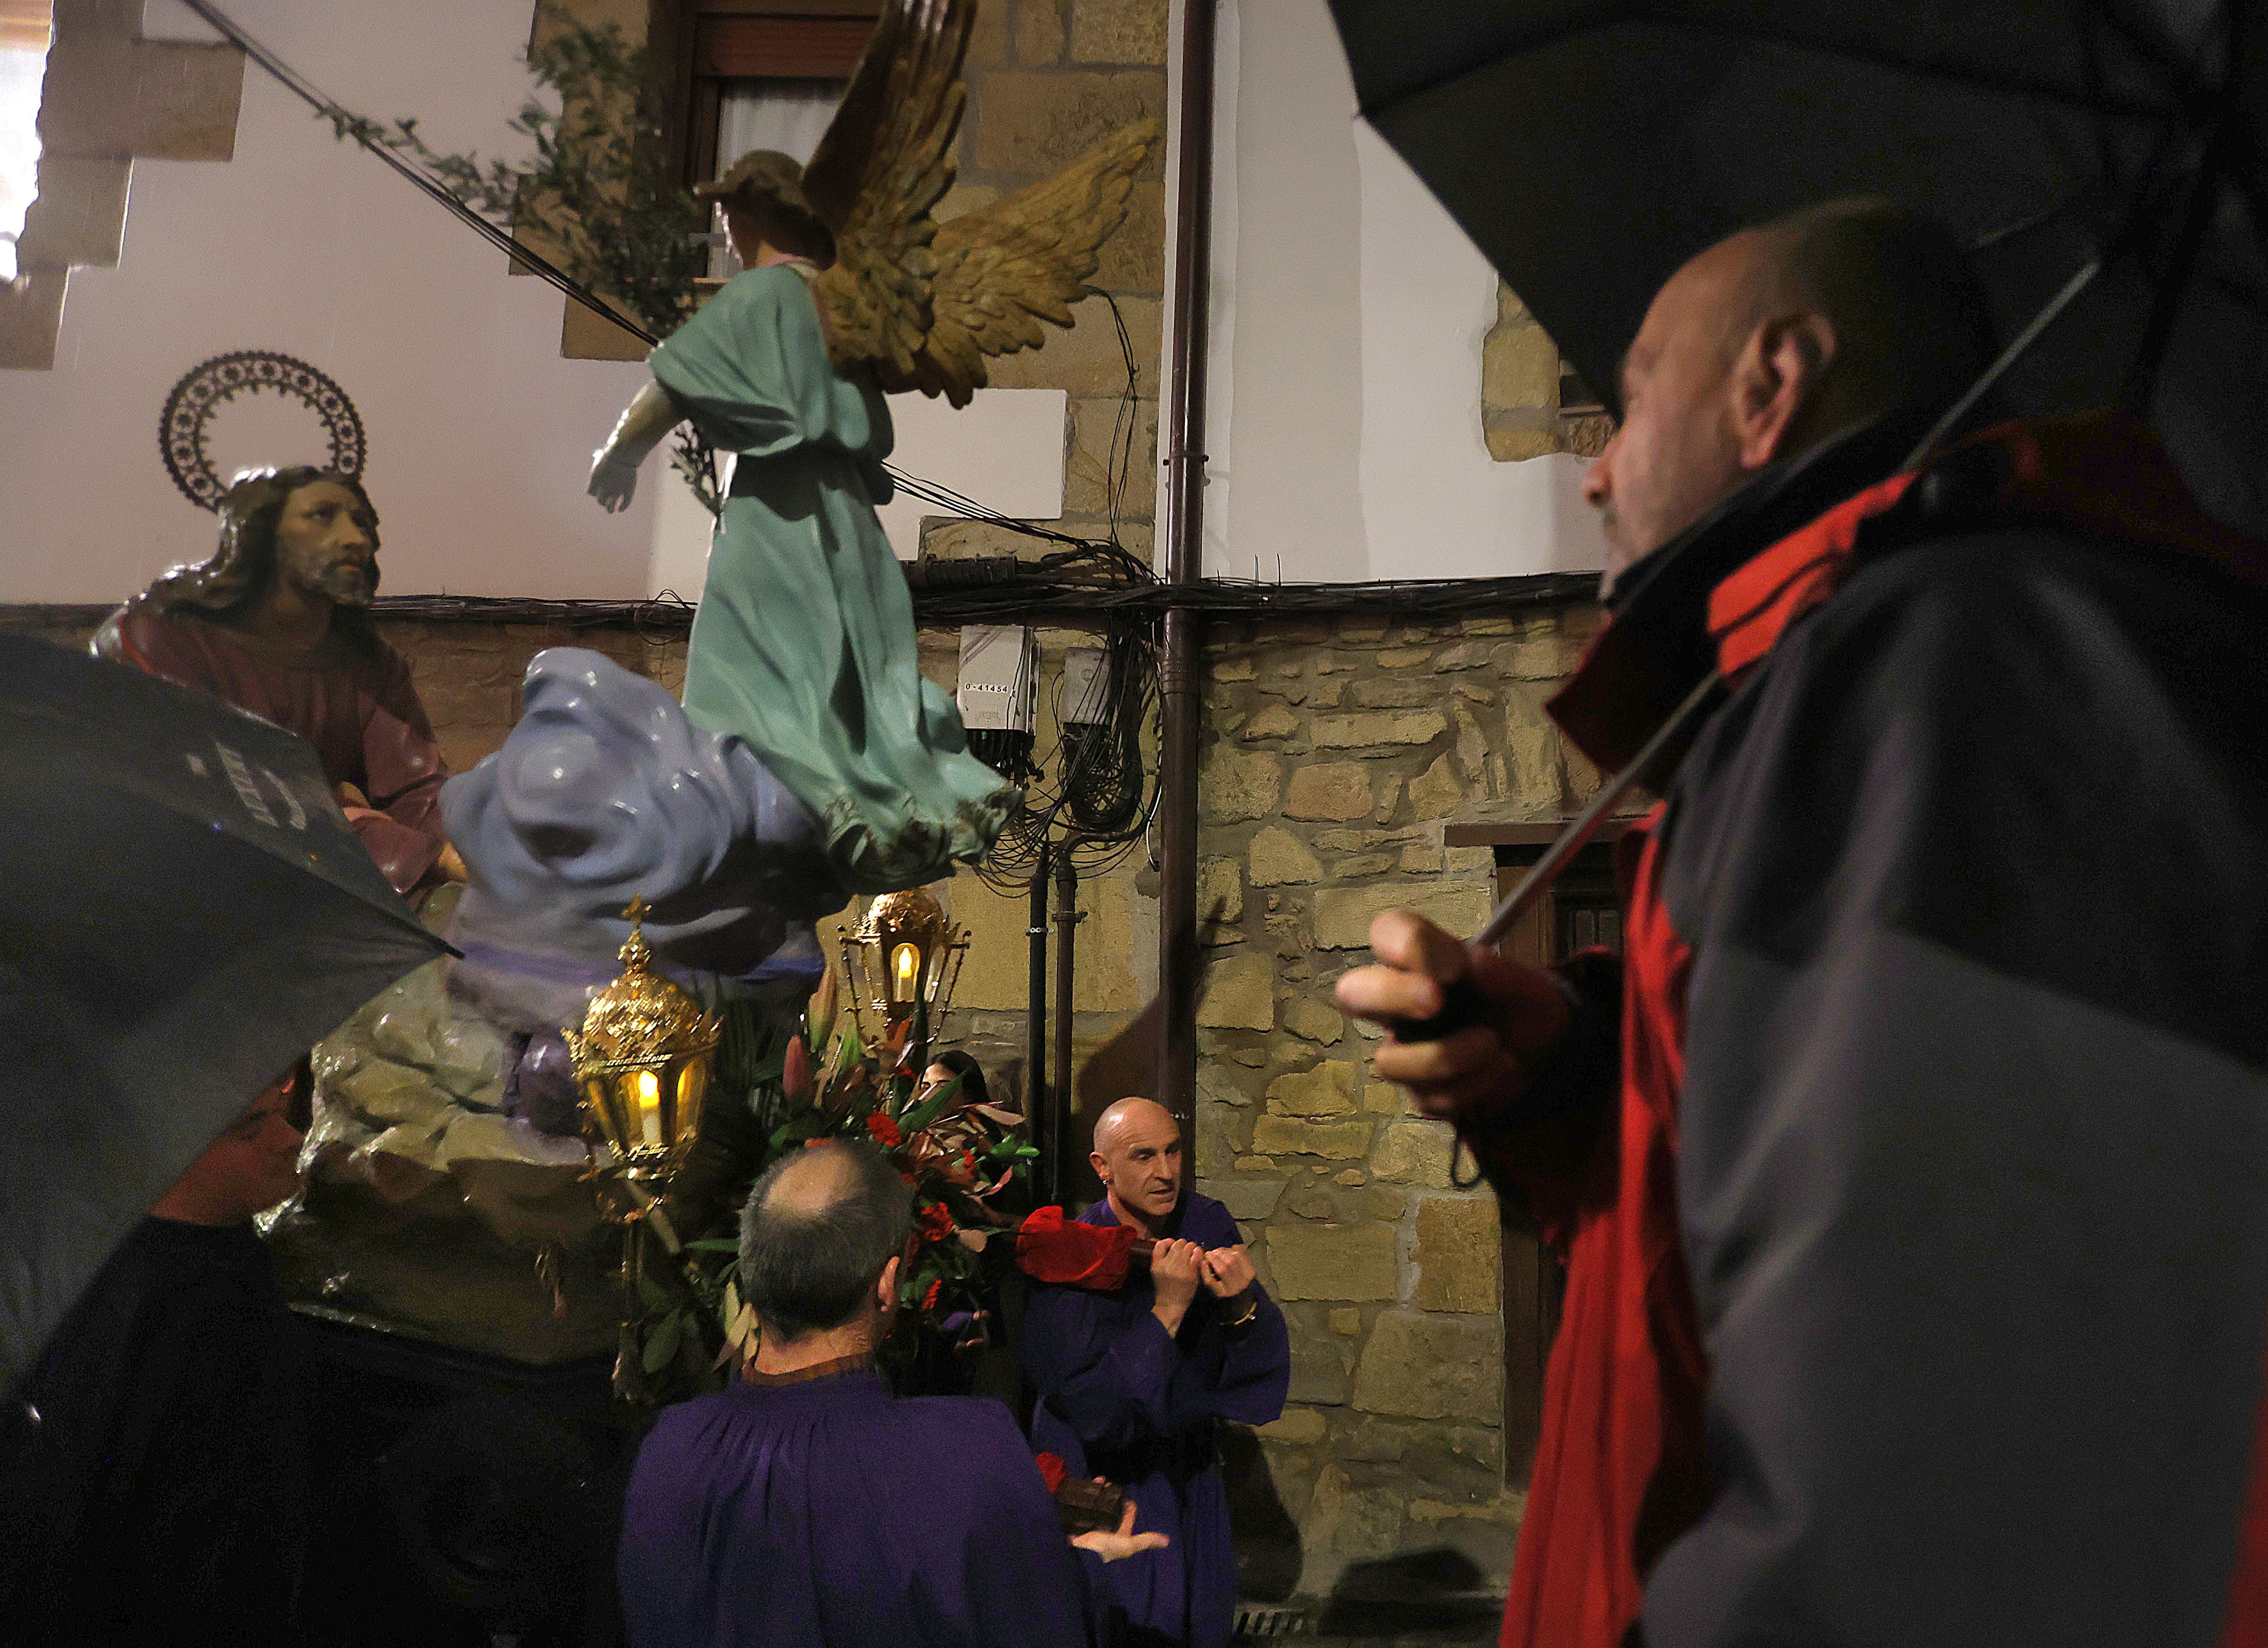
(1135, 1384)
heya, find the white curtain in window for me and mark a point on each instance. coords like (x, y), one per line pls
(789, 116)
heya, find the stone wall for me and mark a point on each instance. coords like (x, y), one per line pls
(1047, 79)
(1531, 401)
(467, 674)
(1335, 756)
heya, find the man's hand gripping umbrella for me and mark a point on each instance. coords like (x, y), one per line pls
(1469, 1024)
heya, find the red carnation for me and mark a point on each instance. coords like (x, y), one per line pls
(884, 1130)
(929, 1298)
(935, 1221)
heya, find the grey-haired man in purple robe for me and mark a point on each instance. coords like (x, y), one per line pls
(806, 1506)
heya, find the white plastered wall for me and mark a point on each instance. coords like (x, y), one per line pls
(1344, 422)
(479, 434)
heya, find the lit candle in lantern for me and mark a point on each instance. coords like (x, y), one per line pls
(905, 969)
(647, 1086)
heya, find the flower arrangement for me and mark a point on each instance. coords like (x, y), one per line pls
(956, 1159)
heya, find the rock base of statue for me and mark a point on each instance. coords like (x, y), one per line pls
(448, 1194)
(436, 1204)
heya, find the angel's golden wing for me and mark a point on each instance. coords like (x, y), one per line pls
(1002, 270)
(886, 160)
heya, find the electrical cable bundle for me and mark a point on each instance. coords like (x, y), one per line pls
(1101, 805)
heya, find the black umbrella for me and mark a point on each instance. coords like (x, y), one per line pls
(2112, 152)
(183, 911)
(2106, 159)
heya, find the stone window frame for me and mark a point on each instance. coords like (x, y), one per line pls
(1532, 401)
(706, 42)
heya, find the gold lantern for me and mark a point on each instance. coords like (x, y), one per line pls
(904, 955)
(643, 1058)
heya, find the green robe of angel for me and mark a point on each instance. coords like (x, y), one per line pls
(804, 643)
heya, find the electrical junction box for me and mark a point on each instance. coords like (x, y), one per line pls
(1086, 686)
(999, 672)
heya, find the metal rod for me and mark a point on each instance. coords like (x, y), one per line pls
(1578, 835)
(1184, 528)
(1037, 1104)
(2081, 278)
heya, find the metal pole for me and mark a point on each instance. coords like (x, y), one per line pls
(1036, 1103)
(1185, 434)
(1066, 920)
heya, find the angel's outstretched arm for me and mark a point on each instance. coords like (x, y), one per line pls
(650, 415)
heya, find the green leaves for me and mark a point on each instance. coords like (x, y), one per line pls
(661, 1344)
(599, 192)
(930, 1108)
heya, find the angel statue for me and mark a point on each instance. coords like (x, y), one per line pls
(804, 643)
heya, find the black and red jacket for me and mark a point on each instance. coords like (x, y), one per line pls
(1917, 1245)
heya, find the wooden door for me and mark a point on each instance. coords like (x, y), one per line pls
(1581, 910)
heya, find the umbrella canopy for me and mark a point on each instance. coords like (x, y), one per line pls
(1590, 147)
(183, 912)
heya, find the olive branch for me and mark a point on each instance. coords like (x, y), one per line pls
(598, 195)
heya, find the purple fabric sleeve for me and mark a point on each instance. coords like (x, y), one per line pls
(1112, 1386)
(1255, 1373)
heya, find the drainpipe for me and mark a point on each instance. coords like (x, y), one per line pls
(1061, 1128)
(1184, 524)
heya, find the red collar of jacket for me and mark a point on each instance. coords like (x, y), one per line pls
(2102, 473)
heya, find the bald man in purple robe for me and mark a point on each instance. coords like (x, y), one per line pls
(1135, 1385)
(806, 1507)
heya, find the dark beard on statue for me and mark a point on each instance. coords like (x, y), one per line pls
(342, 586)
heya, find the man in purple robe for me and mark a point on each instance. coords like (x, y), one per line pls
(1134, 1385)
(808, 1506)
